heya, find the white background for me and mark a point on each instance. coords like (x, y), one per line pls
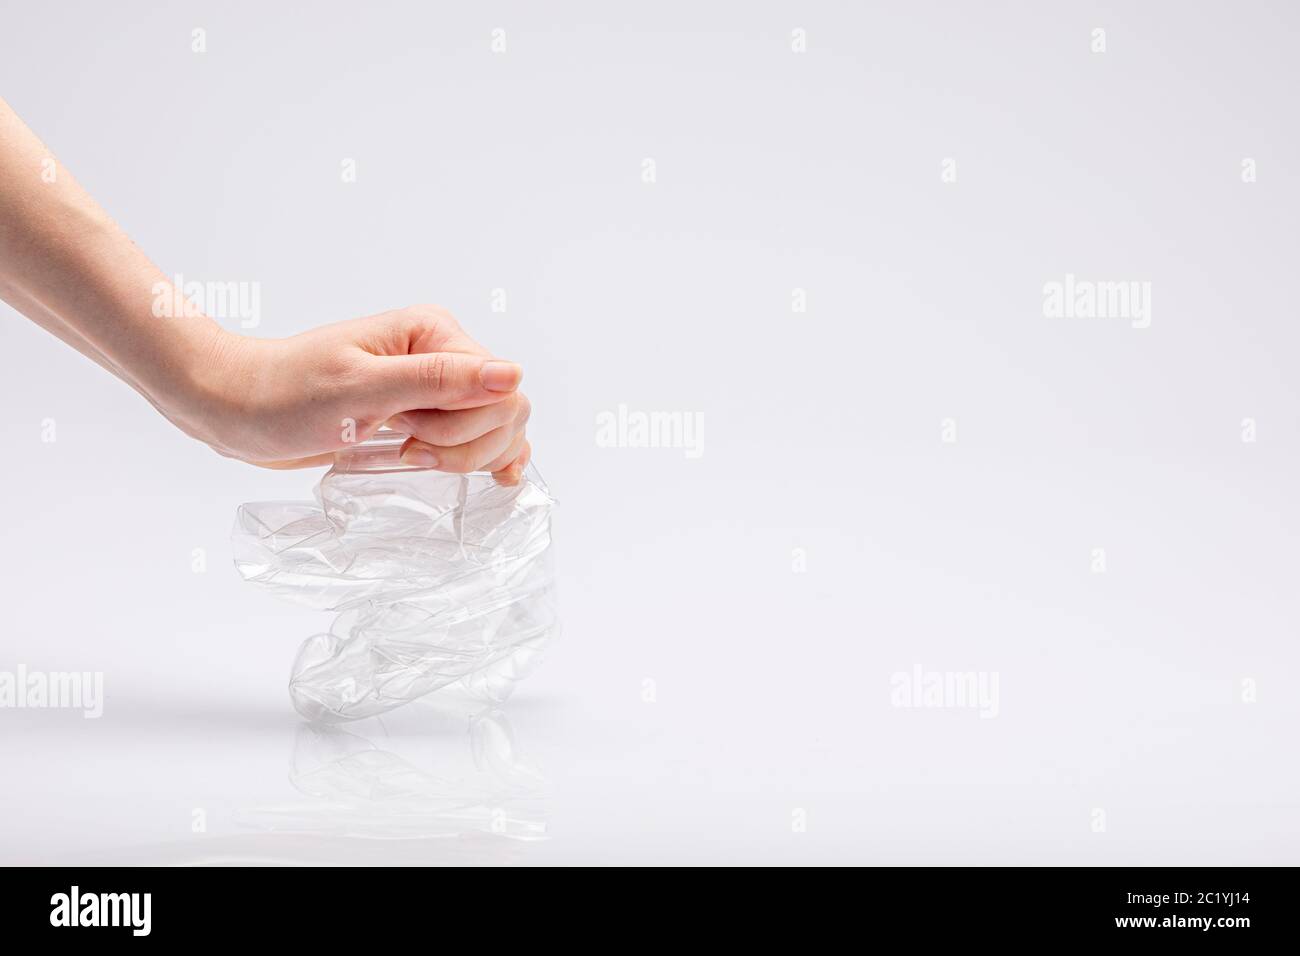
(1119, 692)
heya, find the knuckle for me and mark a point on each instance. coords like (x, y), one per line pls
(435, 372)
(430, 312)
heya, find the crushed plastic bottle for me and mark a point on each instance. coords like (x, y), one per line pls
(440, 579)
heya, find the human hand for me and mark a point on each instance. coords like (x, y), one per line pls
(278, 402)
(293, 402)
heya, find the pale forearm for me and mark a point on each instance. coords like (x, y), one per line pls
(66, 265)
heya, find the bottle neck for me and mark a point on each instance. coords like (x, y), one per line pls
(379, 453)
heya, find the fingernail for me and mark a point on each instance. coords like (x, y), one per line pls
(420, 456)
(501, 376)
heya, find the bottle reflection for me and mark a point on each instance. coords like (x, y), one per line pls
(443, 796)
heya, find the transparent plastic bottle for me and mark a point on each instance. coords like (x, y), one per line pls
(439, 579)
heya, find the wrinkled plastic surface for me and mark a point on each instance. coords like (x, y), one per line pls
(440, 579)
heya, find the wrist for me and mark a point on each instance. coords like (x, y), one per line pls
(212, 383)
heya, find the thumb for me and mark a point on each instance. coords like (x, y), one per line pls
(448, 380)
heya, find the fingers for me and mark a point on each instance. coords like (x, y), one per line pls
(449, 428)
(508, 456)
(443, 380)
(287, 464)
(507, 468)
(430, 328)
(460, 405)
(512, 471)
(459, 459)
(497, 445)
